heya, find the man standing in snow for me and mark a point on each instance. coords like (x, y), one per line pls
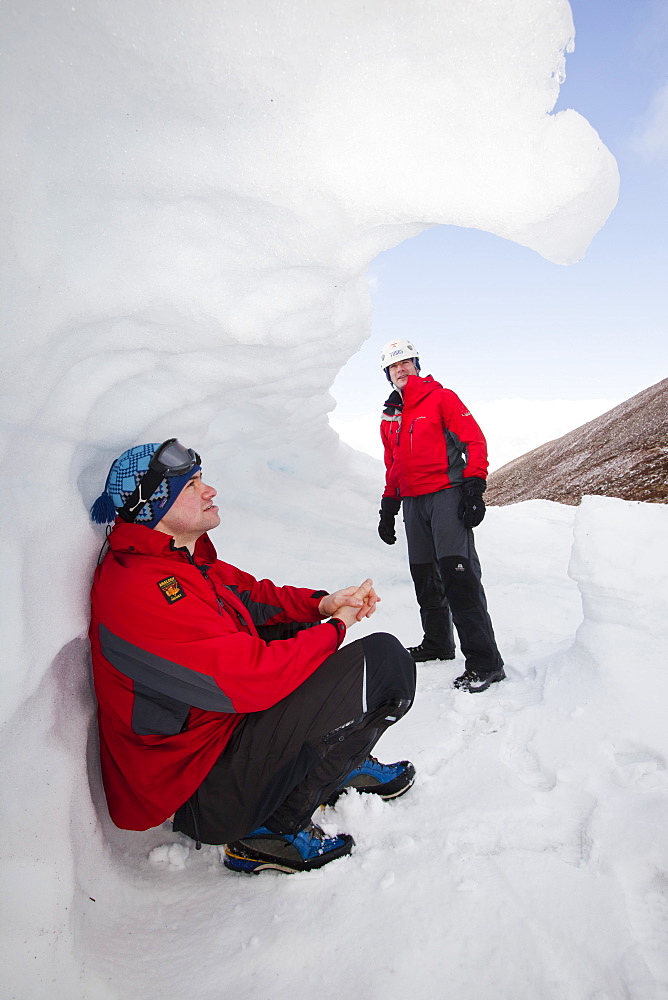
(436, 462)
(207, 713)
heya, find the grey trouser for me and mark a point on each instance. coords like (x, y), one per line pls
(435, 533)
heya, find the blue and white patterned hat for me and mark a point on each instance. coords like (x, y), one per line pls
(125, 475)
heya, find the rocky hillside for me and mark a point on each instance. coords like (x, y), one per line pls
(623, 453)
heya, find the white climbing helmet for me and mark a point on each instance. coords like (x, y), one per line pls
(398, 350)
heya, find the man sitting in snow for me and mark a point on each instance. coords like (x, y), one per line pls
(206, 712)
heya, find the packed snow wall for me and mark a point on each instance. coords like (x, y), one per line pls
(195, 192)
(193, 195)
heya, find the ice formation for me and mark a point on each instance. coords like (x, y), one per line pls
(194, 193)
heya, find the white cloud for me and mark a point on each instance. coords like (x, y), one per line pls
(653, 140)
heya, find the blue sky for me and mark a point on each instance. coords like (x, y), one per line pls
(493, 319)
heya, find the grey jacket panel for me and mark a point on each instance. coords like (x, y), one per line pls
(260, 613)
(155, 714)
(456, 457)
(155, 673)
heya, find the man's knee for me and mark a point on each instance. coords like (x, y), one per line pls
(390, 672)
(384, 646)
(428, 585)
(462, 584)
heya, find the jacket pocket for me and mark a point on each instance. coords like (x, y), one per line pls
(155, 714)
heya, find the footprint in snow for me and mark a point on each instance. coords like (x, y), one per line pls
(640, 767)
(519, 755)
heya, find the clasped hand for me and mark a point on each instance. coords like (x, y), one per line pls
(351, 604)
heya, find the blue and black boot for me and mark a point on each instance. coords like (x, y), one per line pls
(263, 850)
(389, 781)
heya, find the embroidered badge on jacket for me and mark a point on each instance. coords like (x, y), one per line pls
(171, 589)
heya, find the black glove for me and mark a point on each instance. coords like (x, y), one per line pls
(389, 508)
(472, 506)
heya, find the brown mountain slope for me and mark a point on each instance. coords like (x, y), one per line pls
(623, 453)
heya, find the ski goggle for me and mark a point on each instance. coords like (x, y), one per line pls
(173, 459)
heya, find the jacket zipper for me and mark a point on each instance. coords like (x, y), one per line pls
(220, 603)
(410, 432)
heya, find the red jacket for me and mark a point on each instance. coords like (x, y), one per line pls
(431, 440)
(177, 660)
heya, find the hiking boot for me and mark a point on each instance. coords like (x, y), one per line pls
(473, 682)
(389, 781)
(263, 850)
(425, 651)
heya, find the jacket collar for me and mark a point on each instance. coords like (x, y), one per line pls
(145, 541)
(417, 388)
(393, 404)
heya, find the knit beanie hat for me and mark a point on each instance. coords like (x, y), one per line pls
(124, 477)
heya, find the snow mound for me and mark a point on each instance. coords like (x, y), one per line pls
(194, 193)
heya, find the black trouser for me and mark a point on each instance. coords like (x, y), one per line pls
(434, 608)
(282, 763)
(435, 531)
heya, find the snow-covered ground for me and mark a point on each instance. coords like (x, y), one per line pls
(528, 861)
(194, 192)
